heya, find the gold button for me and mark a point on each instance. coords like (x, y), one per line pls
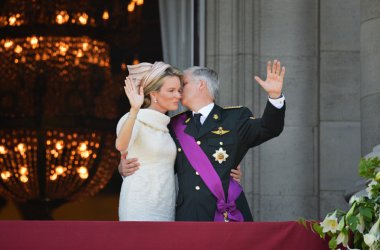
(199, 142)
(197, 187)
(221, 143)
(196, 172)
(179, 149)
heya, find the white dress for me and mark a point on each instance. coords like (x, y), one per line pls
(149, 194)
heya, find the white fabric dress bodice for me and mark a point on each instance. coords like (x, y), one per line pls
(149, 194)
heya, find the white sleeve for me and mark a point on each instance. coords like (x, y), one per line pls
(278, 103)
(135, 130)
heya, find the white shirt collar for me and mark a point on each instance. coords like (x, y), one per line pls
(205, 111)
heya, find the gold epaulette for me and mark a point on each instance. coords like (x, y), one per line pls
(233, 107)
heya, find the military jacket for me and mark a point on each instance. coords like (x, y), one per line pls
(225, 137)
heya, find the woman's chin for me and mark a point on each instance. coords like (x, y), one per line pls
(174, 107)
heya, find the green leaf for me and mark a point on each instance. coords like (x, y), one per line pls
(366, 212)
(351, 211)
(319, 230)
(302, 221)
(358, 238)
(363, 246)
(367, 167)
(341, 224)
(352, 222)
(332, 243)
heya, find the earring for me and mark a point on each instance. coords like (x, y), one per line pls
(155, 100)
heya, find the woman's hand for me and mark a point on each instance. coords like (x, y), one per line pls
(135, 94)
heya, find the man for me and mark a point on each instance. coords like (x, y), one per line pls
(211, 141)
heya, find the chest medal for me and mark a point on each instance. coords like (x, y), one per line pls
(220, 131)
(220, 155)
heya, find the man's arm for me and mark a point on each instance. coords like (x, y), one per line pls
(128, 166)
(256, 131)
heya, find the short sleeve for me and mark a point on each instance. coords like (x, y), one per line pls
(135, 129)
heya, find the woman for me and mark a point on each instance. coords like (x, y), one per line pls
(152, 90)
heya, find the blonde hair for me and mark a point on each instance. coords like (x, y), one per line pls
(156, 83)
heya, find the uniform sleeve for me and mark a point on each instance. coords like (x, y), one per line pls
(135, 129)
(254, 131)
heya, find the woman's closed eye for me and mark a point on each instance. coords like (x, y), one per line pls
(175, 91)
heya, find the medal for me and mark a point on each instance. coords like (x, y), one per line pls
(220, 155)
(220, 131)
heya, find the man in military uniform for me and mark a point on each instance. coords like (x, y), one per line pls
(219, 138)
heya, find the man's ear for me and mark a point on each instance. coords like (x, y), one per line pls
(202, 84)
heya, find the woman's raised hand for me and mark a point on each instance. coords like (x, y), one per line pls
(134, 94)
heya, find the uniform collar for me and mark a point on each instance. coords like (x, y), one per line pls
(205, 111)
(212, 121)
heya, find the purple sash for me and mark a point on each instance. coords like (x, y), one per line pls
(226, 211)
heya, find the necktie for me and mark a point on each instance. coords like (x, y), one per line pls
(197, 118)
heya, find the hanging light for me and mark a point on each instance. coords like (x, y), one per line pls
(106, 15)
(135, 61)
(133, 4)
(58, 115)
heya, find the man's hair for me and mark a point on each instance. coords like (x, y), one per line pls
(208, 75)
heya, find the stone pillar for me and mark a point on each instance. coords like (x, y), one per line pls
(281, 176)
(289, 164)
(339, 105)
(370, 83)
(229, 50)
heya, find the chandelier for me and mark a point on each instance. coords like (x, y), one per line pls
(58, 100)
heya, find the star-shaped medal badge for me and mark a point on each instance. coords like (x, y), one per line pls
(220, 155)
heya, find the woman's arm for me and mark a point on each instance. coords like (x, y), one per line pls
(136, 98)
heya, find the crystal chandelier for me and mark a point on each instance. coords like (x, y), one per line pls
(57, 97)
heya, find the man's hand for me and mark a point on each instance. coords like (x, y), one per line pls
(236, 174)
(275, 79)
(128, 166)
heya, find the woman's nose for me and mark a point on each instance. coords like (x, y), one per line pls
(178, 95)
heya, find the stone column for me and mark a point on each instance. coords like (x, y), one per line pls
(370, 82)
(339, 106)
(281, 176)
(229, 50)
(289, 164)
